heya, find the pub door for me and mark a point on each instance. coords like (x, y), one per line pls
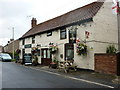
(46, 57)
(69, 51)
(23, 53)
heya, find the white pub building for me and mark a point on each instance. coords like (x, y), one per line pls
(76, 35)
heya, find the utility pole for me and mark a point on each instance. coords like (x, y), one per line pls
(13, 40)
(118, 18)
(118, 54)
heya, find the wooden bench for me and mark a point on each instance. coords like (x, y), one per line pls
(67, 65)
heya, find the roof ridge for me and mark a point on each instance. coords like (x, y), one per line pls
(81, 13)
(66, 13)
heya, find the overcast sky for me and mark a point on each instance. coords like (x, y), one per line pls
(18, 14)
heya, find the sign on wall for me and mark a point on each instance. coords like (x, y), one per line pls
(28, 46)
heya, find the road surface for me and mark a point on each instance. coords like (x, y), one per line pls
(18, 76)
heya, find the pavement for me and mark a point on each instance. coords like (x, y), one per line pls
(92, 76)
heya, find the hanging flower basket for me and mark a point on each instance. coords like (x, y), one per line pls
(34, 50)
(53, 49)
(35, 60)
(18, 51)
(81, 49)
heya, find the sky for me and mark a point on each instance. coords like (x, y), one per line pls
(18, 14)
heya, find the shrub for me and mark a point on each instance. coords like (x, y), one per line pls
(111, 49)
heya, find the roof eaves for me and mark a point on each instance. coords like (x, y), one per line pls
(67, 24)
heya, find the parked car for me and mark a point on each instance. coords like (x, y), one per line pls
(5, 57)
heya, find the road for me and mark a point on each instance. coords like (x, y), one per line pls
(17, 76)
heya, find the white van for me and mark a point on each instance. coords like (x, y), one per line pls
(5, 57)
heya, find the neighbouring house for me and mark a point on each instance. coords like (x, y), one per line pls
(77, 35)
(1, 49)
(11, 45)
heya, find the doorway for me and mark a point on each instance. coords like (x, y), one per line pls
(69, 51)
(46, 57)
(23, 53)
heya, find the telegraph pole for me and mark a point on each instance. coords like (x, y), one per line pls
(118, 17)
(118, 54)
(13, 40)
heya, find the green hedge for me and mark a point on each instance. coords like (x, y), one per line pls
(16, 56)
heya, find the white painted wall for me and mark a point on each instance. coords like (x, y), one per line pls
(55, 38)
(103, 31)
(105, 28)
(85, 62)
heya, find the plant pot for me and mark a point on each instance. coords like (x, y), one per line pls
(53, 65)
(35, 63)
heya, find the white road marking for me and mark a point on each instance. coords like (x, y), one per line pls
(74, 78)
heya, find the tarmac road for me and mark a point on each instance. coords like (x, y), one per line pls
(16, 76)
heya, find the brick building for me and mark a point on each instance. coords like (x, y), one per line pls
(1, 49)
(9, 47)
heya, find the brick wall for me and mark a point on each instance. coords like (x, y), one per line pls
(106, 63)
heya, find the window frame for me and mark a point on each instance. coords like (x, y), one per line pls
(63, 31)
(74, 33)
(33, 39)
(49, 33)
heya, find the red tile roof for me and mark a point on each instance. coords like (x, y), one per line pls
(79, 14)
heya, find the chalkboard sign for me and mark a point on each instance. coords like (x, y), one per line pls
(28, 58)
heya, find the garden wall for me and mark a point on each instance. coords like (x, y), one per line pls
(107, 63)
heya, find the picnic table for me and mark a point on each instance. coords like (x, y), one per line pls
(67, 65)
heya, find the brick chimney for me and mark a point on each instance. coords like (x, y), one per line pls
(33, 22)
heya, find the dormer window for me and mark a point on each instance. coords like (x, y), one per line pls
(49, 33)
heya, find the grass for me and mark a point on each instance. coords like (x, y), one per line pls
(13, 60)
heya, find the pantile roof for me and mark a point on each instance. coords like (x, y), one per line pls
(79, 14)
